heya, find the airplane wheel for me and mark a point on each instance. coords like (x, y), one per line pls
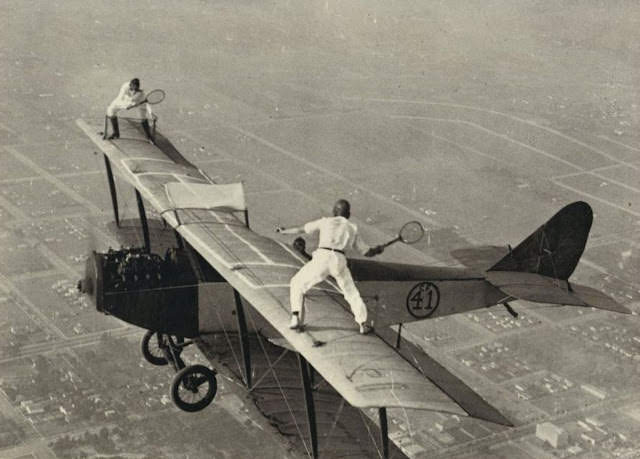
(151, 349)
(193, 388)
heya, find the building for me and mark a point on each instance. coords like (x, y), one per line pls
(598, 393)
(552, 434)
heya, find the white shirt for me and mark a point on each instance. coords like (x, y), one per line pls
(337, 233)
(127, 97)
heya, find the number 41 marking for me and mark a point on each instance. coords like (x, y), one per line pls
(423, 299)
(418, 297)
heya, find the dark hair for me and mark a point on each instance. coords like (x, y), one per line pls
(135, 82)
(342, 208)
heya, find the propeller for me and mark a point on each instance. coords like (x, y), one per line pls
(96, 243)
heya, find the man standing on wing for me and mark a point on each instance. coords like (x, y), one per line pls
(130, 96)
(337, 233)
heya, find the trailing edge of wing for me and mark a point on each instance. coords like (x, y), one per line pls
(449, 383)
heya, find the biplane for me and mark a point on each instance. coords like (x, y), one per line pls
(220, 265)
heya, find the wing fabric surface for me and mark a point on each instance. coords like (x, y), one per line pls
(366, 371)
(363, 369)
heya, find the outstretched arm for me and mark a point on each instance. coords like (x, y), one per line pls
(307, 228)
(137, 99)
(373, 251)
(292, 230)
(365, 250)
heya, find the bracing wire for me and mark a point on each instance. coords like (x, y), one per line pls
(226, 335)
(222, 245)
(336, 419)
(371, 437)
(280, 388)
(260, 339)
(270, 369)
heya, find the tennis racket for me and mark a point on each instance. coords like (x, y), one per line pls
(154, 97)
(410, 233)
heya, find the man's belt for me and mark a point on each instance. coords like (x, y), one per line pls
(333, 250)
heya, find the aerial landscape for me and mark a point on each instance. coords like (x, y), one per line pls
(480, 120)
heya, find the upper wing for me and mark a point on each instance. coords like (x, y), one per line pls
(363, 369)
(147, 167)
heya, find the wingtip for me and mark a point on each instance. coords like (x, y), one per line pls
(496, 418)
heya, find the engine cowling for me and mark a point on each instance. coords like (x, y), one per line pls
(144, 289)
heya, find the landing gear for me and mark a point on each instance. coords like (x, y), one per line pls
(162, 349)
(510, 310)
(194, 387)
(151, 348)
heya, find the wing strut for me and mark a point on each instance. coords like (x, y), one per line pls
(179, 239)
(244, 338)
(112, 189)
(384, 432)
(308, 398)
(143, 220)
(399, 340)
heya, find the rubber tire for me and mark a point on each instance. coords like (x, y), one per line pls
(206, 400)
(146, 352)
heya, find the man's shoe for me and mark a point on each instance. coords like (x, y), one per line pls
(113, 136)
(365, 328)
(295, 322)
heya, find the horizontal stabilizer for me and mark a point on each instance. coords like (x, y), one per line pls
(480, 258)
(533, 287)
(543, 289)
(597, 299)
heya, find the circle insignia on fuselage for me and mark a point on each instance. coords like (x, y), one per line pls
(423, 299)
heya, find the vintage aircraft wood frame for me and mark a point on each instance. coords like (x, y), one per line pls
(379, 370)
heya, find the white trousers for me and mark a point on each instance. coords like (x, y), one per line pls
(143, 111)
(326, 263)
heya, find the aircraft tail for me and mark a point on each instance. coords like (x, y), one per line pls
(554, 249)
(538, 269)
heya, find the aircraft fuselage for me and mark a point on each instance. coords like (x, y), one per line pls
(398, 293)
(180, 299)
